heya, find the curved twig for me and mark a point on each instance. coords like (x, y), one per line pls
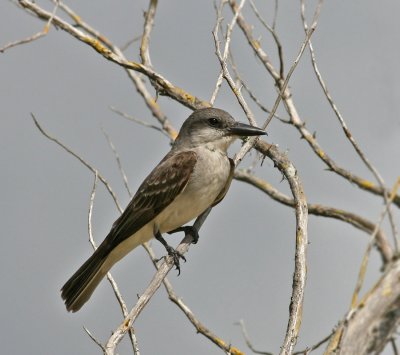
(284, 165)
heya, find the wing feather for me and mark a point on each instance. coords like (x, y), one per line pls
(157, 191)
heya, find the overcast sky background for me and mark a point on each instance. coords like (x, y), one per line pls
(243, 264)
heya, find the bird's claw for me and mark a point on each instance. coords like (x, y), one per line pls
(175, 257)
(188, 230)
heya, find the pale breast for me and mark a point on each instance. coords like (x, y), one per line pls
(209, 177)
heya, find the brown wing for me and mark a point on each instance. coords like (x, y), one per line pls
(157, 191)
(223, 192)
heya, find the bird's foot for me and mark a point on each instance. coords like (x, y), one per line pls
(171, 252)
(188, 230)
(175, 257)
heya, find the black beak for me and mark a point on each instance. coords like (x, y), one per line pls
(245, 130)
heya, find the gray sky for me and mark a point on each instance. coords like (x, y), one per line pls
(243, 264)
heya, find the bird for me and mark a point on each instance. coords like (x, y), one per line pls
(193, 176)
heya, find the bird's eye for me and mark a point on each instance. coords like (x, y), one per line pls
(214, 122)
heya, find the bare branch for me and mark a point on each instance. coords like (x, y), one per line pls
(148, 25)
(134, 76)
(163, 269)
(36, 35)
(324, 211)
(225, 72)
(283, 85)
(284, 165)
(274, 35)
(251, 141)
(167, 87)
(228, 38)
(347, 132)
(238, 78)
(255, 45)
(364, 263)
(295, 117)
(368, 328)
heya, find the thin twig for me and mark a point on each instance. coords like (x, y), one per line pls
(110, 278)
(247, 339)
(148, 25)
(125, 46)
(251, 141)
(239, 79)
(200, 328)
(275, 15)
(365, 259)
(291, 70)
(274, 35)
(136, 120)
(249, 144)
(36, 36)
(94, 339)
(347, 132)
(228, 38)
(117, 158)
(84, 162)
(315, 346)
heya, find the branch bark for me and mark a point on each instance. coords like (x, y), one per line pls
(368, 328)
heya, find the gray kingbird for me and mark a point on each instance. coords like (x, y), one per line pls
(193, 176)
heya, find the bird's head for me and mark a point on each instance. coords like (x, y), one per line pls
(213, 128)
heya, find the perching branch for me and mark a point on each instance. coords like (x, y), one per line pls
(163, 269)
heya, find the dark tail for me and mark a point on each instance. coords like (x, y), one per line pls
(78, 289)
